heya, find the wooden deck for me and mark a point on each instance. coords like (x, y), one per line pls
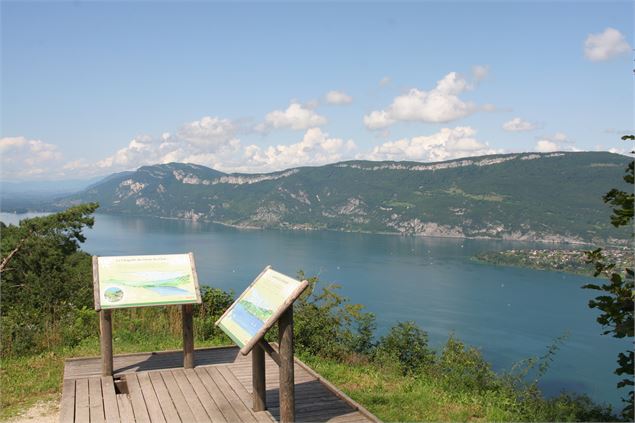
(154, 387)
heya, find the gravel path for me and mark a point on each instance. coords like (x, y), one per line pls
(41, 412)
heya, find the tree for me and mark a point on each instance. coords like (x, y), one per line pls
(616, 301)
(44, 276)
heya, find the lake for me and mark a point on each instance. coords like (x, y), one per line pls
(510, 314)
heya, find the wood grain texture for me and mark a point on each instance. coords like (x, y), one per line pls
(259, 391)
(188, 335)
(287, 382)
(197, 288)
(111, 408)
(67, 404)
(105, 341)
(219, 391)
(96, 401)
(96, 291)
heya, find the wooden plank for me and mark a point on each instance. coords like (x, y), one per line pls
(354, 417)
(111, 408)
(188, 335)
(370, 416)
(136, 399)
(243, 411)
(128, 363)
(200, 415)
(152, 402)
(125, 409)
(96, 400)
(67, 404)
(214, 391)
(177, 397)
(169, 411)
(82, 410)
(242, 393)
(211, 408)
(317, 415)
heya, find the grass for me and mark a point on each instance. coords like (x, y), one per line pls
(394, 397)
(28, 380)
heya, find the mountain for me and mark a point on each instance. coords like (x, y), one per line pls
(525, 196)
(24, 196)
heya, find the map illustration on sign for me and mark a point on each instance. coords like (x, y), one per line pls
(135, 281)
(253, 313)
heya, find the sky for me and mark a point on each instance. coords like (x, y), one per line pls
(93, 88)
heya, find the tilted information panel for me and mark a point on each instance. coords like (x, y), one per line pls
(259, 306)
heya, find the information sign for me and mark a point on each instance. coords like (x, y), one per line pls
(259, 306)
(137, 281)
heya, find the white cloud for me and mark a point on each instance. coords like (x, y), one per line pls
(384, 81)
(21, 157)
(557, 142)
(448, 143)
(605, 45)
(338, 97)
(296, 116)
(439, 105)
(315, 148)
(518, 125)
(207, 131)
(208, 141)
(480, 72)
(546, 146)
(378, 119)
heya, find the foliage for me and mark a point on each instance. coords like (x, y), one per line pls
(214, 303)
(406, 344)
(326, 324)
(616, 301)
(45, 279)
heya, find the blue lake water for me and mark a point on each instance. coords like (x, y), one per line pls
(510, 314)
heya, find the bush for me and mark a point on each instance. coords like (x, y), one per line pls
(214, 302)
(408, 345)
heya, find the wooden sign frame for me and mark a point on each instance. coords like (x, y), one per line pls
(97, 290)
(105, 320)
(258, 336)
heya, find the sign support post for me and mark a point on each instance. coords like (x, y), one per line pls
(188, 336)
(287, 384)
(258, 378)
(105, 326)
(267, 301)
(138, 281)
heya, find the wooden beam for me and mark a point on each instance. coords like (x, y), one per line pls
(287, 382)
(258, 378)
(188, 335)
(105, 340)
(270, 350)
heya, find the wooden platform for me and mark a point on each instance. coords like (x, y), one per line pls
(154, 387)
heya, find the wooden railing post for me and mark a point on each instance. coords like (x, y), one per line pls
(188, 335)
(258, 378)
(287, 383)
(105, 340)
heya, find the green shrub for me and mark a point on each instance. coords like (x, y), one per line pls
(464, 368)
(408, 345)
